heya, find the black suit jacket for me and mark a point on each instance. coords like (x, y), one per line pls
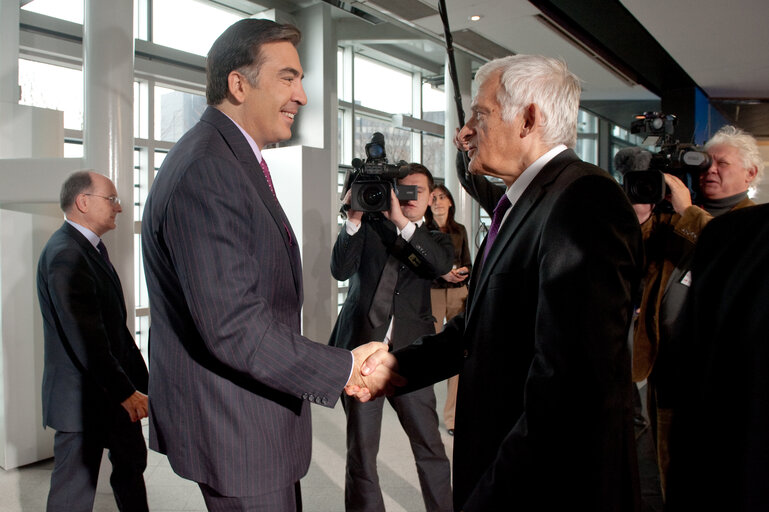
(543, 416)
(231, 376)
(719, 447)
(361, 259)
(91, 361)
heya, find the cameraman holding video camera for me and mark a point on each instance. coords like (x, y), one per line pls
(391, 258)
(669, 239)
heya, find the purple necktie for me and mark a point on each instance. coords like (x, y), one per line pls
(499, 213)
(103, 250)
(266, 171)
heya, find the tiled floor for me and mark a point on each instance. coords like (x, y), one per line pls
(25, 489)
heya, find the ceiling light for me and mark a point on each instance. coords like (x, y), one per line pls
(475, 17)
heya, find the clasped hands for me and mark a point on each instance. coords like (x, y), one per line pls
(374, 372)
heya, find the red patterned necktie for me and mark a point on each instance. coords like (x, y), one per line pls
(266, 171)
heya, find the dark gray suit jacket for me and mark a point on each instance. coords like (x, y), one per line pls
(543, 416)
(91, 361)
(231, 376)
(361, 259)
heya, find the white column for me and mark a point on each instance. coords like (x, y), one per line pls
(464, 204)
(108, 64)
(9, 51)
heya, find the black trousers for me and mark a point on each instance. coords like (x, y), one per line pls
(416, 412)
(77, 457)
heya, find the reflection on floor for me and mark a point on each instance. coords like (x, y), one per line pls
(26, 489)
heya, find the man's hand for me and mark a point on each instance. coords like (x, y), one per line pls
(352, 215)
(136, 405)
(456, 275)
(379, 376)
(679, 196)
(395, 214)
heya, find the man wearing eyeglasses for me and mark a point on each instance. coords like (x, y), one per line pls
(94, 378)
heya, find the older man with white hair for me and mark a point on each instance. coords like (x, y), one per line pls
(670, 239)
(544, 414)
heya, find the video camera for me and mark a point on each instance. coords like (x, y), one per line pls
(684, 161)
(370, 182)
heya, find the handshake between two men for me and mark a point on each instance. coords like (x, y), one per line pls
(375, 373)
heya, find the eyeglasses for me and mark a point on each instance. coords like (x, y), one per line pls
(115, 200)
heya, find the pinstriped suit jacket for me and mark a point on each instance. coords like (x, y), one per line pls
(231, 376)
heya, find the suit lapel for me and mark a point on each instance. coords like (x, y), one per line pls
(518, 214)
(245, 155)
(94, 255)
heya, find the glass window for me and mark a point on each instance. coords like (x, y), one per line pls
(587, 122)
(587, 149)
(70, 10)
(159, 157)
(55, 87)
(432, 154)
(176, 112)
(141, 20)
(73, 149)
(189, 25)
(382, 87)
(433, 104)
(397, 141)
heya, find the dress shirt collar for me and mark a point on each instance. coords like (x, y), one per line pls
(520, 185)
(90, 235)
(251, 142)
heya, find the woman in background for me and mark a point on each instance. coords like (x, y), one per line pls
(449, 292)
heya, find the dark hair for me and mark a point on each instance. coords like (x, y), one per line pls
(414, 168)
(239, 49)
(75, 184)
(451, 226)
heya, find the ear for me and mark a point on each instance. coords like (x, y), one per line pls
(81, 203)
(236, 85)
(532, 117)
(752, 172)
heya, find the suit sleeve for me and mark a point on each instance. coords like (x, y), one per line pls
(236, 278)
(347, 252)
(577, 398)
(78, 305)
(482, 190)
(429, 254)
(465, 260)
(432, 358)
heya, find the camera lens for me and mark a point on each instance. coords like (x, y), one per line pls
(372, 195)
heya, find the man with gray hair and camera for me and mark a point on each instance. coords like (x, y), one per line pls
(670, 239)
(391, 258)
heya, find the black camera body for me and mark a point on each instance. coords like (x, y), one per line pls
(684, 161)
(370, 182)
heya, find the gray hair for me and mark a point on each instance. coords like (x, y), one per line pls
(744, 142)
(544, 81)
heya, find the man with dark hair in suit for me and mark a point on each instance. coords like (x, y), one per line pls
(544, 410)
(372, 251)
(94, 378)
(231, 376)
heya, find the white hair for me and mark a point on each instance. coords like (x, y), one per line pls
(743, 142)
(544, 81)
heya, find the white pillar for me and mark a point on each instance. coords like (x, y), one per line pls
(464, 204)
(108, 64)
(9, 51)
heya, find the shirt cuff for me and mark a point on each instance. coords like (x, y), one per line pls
(351, 227)
(408, 231)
